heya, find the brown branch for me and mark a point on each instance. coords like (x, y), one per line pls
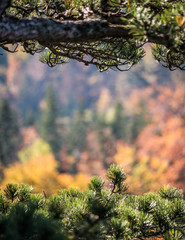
(46, 30)
(3, 5)
(10, 50)
(75, 57)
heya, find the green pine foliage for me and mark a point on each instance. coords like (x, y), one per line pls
(119, 125)
(99, 212)
(9, 133)
(49, 128)
(160, 22)
(138, 121)
(77, 135)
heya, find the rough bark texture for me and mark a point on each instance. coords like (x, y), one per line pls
(14, 30)
(93, 30)
(19, 30)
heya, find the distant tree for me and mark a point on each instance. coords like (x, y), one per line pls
(29, 119)
(77, 135)
(138, 121)
(3, 65)
(78, 130)
(119, 123)
(30, 94)
(49, 129)
(9, 134)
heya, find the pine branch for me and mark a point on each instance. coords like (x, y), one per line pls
(14, 30)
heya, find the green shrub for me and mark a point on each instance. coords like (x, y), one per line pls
(98, 213)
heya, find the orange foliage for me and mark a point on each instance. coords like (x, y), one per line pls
(80, 180)
(125, 156)
(163, 141)
(40, 171)
(143, 173)
(87, 164)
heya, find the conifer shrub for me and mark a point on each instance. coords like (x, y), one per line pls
(98, 213)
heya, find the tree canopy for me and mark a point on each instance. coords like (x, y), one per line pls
(106, 33)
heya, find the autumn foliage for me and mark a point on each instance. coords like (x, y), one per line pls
(157, 157)
(136, 121)
(38, 168)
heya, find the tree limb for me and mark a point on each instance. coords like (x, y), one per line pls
(14, 30)
(83, 28)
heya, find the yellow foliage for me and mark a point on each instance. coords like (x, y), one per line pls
(68, 3)
(40, 172)
(104, 101)
(81, 180)
(155, 162)
(180, 20)
(39, 147)
(66, 180)
(39, 169)
(143, 172)
(124, 155)
(143, 178)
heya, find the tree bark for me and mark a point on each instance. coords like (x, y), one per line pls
(14, 30)
(45, 30)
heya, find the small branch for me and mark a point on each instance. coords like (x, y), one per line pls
(8, 50)
(4, 4)
(112, 192)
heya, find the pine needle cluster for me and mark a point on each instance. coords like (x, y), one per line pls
(99, 212)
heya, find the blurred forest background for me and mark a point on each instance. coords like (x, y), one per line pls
(59, 126)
